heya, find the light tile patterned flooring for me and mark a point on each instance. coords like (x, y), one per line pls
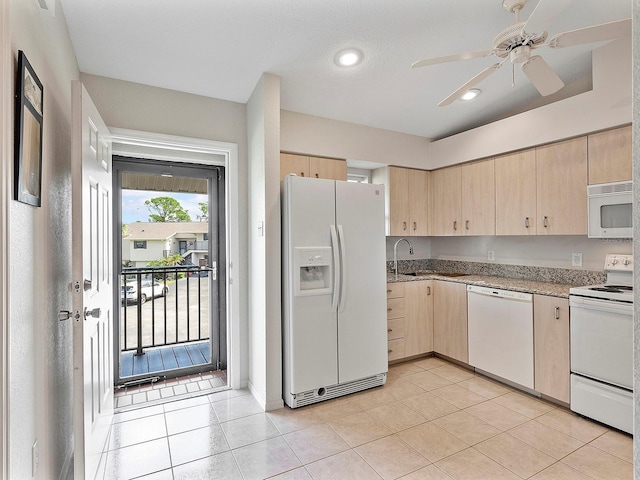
(432, 420)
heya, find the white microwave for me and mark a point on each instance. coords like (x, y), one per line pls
(610, 207)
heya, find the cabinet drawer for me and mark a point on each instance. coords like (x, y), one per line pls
(396, 349)
(395, 307)
(395, 290)
(395, 328)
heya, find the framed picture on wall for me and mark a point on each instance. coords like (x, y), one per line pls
(28, 134)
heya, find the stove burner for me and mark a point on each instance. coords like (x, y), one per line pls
(613, 288)
(626, 288)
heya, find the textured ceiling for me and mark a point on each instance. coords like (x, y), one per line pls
(220, 48)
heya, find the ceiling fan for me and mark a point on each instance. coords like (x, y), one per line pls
(516, 43)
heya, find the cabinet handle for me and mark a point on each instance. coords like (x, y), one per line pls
(389, 330)
(455, 225)
(389, 309)
(415, 226)
(302, 174)
(389, 351)
(526, 222)
(545, 222)
(389, 291)
(404, 225)
(466, 224)
(428, 291)
(317, 176)
(556, 313)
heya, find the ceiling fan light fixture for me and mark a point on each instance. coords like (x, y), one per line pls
(348, 57)
(471, 94)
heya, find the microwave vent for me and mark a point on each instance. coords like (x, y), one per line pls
(610, 188)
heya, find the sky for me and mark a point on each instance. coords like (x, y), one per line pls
(134, 209)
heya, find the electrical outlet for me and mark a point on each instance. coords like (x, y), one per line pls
(576, 259)
(35, 458)
(491, 256)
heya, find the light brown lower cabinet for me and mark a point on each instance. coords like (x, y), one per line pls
(450, 320)
(418, 297)
(409, 319)
(551, 347)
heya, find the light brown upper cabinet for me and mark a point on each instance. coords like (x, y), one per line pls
(610, 156)
(516, 193)
(464, 199)
(478, 198)
(561, 194)
(446, 212)
(407, 194)
(314, 167)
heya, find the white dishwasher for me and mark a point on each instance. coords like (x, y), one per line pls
(500, 327)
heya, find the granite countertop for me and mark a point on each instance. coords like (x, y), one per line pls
(505, 283)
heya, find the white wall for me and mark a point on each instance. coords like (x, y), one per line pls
(540, 251)
(265, 357)
(331, 138)
(143, 108)
(636, 233)
(40, 395)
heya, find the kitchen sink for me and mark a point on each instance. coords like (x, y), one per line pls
(419, 273)
(451, 274)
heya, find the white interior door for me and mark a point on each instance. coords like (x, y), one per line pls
(92, 286)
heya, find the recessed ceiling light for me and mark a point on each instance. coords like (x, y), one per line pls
(348, 57)
(471, 94)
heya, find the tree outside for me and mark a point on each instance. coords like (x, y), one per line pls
(166, 209)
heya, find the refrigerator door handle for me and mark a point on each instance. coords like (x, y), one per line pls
(343, 269)
(336, 269)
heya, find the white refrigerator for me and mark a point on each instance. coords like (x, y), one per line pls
(334, 289)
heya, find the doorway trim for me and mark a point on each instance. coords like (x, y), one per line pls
(156, 146)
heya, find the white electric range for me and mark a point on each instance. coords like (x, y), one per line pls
(602, 346)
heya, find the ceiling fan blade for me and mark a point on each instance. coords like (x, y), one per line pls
(452, 58)
(596, 33)
(542, 75)
(471, 83)
(543, 16)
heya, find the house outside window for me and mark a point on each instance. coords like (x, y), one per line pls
(140, 244)
(205, 236)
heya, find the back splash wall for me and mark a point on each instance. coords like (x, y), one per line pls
(513, 250)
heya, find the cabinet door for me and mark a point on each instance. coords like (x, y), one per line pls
(478, 198)
(561, 173)
(446, 197)
(291, 163)
(450, 320)
(551, 346)
(399, 202)
(418, 318)
(419, 202)
(331, 168)
(610, 156)
(516, 193)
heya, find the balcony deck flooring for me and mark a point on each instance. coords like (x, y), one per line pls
(159, 359)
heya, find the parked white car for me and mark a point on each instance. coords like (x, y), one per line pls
(148, 290)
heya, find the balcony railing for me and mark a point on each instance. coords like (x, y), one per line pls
(163, 306)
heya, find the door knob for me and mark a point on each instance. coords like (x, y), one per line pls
(67, 314)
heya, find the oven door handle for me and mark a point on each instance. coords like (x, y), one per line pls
(611, 306)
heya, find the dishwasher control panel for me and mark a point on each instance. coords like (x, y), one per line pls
(498, 293)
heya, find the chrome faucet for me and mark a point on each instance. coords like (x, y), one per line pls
(395, 254)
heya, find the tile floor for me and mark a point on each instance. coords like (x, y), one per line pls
(432, 420)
